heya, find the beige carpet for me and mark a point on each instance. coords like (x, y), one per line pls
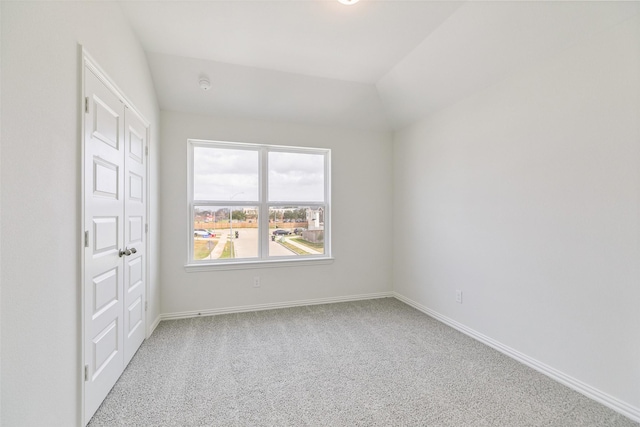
(366, 363)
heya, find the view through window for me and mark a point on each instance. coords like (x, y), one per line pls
(253, 202)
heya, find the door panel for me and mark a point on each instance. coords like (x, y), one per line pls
(136, 145)
(135, 187)
(135, 273)
(105, 178)
(136, 229)
(106, 127)
(105, 232)
(105, 292)
(105, 347)
(134, 314)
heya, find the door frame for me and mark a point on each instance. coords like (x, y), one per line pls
(87, 61)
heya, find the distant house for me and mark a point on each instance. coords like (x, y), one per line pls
(315, 218)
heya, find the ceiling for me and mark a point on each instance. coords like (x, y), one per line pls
(375, 65)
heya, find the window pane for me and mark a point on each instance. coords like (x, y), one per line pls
(296, 177)
(224, 174)
(215, 237)
(296, 231)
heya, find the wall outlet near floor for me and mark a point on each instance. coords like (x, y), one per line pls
(459, 296)
(256, 282)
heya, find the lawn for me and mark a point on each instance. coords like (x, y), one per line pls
(293, 248)
(202, 248)
(227, 252)
(317, 246)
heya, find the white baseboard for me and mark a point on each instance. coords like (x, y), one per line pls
(593, 393)
(272, 306)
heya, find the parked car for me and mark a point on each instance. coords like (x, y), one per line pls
(201, 233)
(281, 232)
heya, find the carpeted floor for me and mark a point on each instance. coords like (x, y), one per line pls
(366, 363)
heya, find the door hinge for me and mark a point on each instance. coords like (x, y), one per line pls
(146, 228)
(146, 305)
(86, 239)
(146, 150)
(86, 104)
(86, 372)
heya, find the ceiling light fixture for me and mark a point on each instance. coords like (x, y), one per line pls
(348, 2)
(204, 83)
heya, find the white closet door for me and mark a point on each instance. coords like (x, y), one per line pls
(115, 203)
(134, 233)
(104, 223)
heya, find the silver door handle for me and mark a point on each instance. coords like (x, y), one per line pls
(124, 252)
(133, 250)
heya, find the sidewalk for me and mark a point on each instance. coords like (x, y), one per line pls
(217, 251)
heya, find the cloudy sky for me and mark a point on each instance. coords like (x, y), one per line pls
(227, 174)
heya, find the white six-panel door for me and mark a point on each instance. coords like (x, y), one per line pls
(134, 233)
(114, 224)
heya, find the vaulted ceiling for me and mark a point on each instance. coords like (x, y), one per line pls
(376, 65)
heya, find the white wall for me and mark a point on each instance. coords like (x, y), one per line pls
(361, 194)
(528, 194)
(41, 194)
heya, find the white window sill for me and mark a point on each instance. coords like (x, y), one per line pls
(245, 265)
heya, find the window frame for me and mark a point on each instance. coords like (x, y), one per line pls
(263, 205)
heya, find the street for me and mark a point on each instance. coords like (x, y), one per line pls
(246, 244)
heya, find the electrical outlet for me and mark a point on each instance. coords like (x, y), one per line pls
(458, 296)
(256, 282)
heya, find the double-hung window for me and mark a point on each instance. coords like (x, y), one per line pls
(252, 203)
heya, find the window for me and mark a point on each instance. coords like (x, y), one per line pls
(251, 203)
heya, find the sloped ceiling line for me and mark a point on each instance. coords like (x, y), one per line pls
(376, 65)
